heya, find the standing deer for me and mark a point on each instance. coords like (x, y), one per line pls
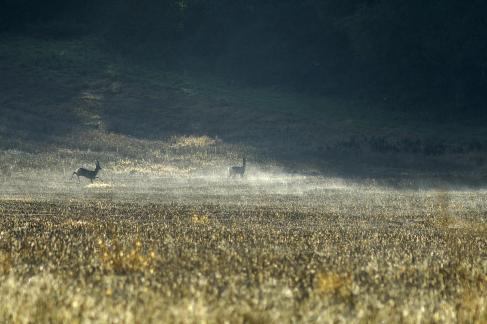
(237, 170)
(82, 172)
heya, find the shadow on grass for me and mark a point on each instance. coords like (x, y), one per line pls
(62, 92)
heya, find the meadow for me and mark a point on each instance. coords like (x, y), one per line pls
(270, 248)
(310, 234)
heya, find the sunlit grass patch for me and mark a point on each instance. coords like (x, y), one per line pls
(472, 307)
(6, 262)
(193, 141)
(72, 223)
(333, 283)
(200, 219)
(442, 215)
(123, 259)
(447, 215)
(99, 185)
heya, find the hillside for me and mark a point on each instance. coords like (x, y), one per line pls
(74, 99)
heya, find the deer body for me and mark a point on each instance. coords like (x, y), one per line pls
(90, 174)
(237, 170)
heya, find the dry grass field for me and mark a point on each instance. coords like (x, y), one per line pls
(244, 252)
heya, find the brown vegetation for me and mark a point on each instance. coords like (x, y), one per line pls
(72, 261)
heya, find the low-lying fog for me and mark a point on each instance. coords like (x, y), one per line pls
(261, 186)
(212, 186)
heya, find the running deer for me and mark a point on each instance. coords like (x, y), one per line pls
(82, 172)
(237, 170)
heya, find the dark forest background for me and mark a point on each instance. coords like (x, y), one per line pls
(433, 53)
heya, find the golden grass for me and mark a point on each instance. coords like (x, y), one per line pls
(334, 283)
(103, 261)
(198, 219)
(193, 141)
(121, 259)
(99, 185)
(5, 262)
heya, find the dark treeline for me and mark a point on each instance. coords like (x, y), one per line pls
(428, 51)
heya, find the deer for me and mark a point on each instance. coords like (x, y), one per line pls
(82, 172)
(237, 170)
